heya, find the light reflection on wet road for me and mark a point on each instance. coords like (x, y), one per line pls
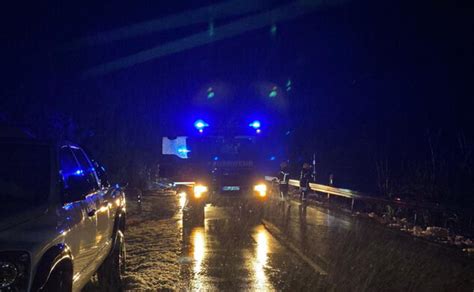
(310, 248)
(232, 250)
(261, 237)
(296, 248)
(199, 248)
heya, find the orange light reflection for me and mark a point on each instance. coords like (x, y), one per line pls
(261, 259)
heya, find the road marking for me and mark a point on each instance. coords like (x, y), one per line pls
(281, 238)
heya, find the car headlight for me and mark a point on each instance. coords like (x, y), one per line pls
(261, 189)
(199, 190)
(14, 271)
(8, 274)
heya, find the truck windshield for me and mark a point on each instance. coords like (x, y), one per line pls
(25, 174)
(219, 148)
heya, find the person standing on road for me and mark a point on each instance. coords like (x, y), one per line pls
(283, 179)
(305, 178)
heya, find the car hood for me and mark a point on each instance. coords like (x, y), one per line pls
(30, 230)
(9, 220)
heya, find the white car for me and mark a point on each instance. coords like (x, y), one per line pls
(60, 220)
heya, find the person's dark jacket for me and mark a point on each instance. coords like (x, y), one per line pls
(305, 177)
(284, 176)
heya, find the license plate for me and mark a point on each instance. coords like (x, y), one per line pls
(231, 188)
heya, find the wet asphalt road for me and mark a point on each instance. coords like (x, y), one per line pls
(288, 247)
(361, 255)
(232, 250)
(301, 247)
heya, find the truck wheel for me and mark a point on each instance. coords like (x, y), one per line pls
(194, 216)
(199, 212)
(256, 210)
(59, 280)
(110, 274)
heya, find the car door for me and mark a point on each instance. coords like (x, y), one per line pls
(98, 198)
(79, 227)
(109, 198)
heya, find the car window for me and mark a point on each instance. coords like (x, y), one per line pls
(101, 174)
(87, 168)
(68, 165)
(69, 169)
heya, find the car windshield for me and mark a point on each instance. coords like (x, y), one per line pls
(25, 175)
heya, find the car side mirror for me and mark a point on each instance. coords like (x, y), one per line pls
(76, 190)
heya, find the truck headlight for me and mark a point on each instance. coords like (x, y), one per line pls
(199, 190)
(261, 189)
(8, 274)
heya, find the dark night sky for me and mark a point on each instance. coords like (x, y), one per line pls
(366, 74)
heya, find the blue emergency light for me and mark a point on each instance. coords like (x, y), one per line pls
(200, 125)
(183, 150)
(255, 124)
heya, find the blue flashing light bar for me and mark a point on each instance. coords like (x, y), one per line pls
(78, 172)
(255, 124)
(200, 125)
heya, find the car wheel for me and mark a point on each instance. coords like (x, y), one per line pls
(59, 280)
(110, 274)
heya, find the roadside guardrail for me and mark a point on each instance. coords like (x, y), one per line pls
(356, 195)
(457, 219)
(460, 219)
(329, 190)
